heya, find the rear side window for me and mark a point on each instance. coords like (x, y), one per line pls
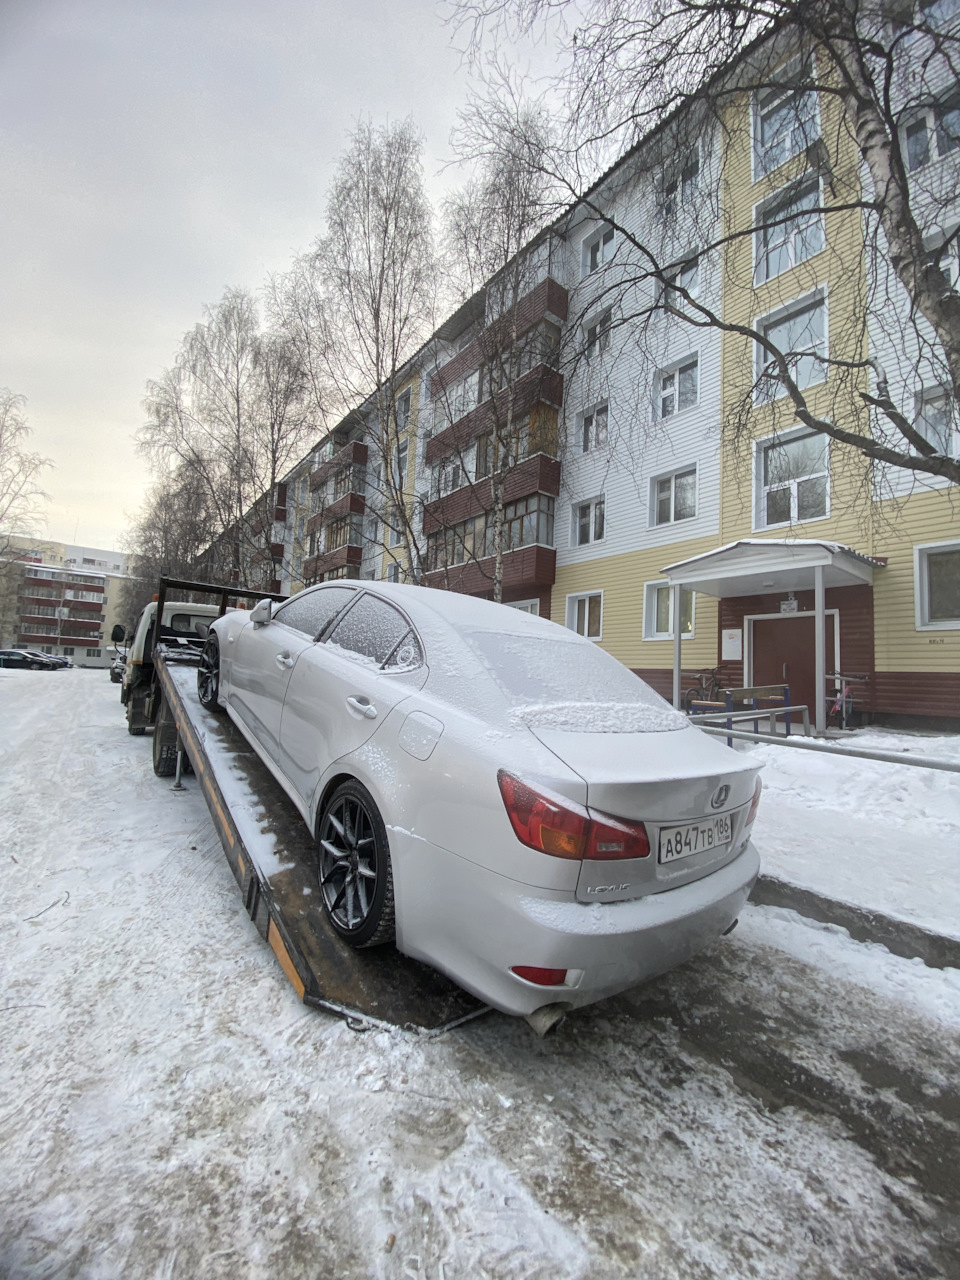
(376, 631)
(310, 611)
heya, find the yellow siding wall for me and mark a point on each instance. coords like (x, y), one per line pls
(928, 517)
(622, 578)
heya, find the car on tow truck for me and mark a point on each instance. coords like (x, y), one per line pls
(493, 792)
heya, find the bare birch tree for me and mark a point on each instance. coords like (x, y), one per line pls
(21, 497)
(368, 292)
(492, 225)
(819, 80)
(226, 421)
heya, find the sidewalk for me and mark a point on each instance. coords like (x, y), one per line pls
(872, 847)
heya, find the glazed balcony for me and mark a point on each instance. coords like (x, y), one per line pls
(539, 474)
(541, 386)
(327, 561)
(354, 453)
(546, 301)
(526, 570)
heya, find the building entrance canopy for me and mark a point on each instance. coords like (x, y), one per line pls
(757, 566)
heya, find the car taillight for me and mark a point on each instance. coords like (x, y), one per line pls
(564, 829)
(754, 804)
(542, 977)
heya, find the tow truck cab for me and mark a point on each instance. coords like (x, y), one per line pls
(184, 624)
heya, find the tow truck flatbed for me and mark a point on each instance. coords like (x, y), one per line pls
(272, 857)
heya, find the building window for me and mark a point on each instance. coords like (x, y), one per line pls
(448, 475)
(393, 571)
(937, 576)
(658, 612)
(395, 527)
(67, 651)
(400, 466)
(585, 614)
(403, 412)
(597, 249)
(526, 522)
(790, 230)
(785, 117)
(935, 133)
(686, 276)
(674, 497)
(678, 388)
(342, 533)
(592, 433)
(793, 475)
(800, 333)
(525, 606)
(345, 482)
(934, 419)
(588, 521)
(680, 182)
(598, 334)
(93, 653)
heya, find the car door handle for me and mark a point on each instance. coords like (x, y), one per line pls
(362, 707)
(284, 659)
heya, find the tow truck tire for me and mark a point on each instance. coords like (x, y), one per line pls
(164, 746)
(353, 863)
(208, 675)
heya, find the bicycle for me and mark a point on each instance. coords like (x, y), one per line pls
(840, 703)
(706, 689)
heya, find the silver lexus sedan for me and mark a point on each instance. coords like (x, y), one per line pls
(492, 791)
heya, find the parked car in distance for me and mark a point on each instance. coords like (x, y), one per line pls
(117, 668)
(20, 658)
(50, 657)
(492, 791)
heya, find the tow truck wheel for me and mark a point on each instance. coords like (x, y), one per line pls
(208, 676)
(356, 879)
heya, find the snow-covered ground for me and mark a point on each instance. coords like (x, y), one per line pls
(785, 1106)
(881, 836)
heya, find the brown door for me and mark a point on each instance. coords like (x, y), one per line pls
(783, 653)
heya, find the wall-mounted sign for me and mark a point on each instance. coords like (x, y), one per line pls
(731, 645)
(788, 606)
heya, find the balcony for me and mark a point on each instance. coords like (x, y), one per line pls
(327, 561)
(541, 386)
(353, 453)
(526, 570)
(351, 504)
(547, 300)
(538, 474)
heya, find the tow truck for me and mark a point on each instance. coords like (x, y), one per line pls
(269, 850)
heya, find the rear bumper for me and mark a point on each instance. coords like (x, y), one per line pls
(475, 925)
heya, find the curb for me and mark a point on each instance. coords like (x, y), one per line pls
(898, 936)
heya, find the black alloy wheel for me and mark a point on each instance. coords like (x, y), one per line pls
(208, 675)
(356, 878)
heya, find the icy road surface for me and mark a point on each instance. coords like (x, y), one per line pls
(785, 1106)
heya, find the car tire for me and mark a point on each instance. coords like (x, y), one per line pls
(208, 675)
(353, 863)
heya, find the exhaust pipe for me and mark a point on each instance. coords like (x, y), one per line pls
(547, 1018)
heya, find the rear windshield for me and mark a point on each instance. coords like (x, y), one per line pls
(563, 684)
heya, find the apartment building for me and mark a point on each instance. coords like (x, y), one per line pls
(647, 478)
(62, 599)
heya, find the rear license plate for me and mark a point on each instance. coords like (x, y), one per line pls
(694, 837)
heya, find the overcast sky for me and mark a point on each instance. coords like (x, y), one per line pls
(154, 152)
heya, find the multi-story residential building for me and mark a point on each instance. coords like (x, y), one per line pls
(63, 599)
(649, 483)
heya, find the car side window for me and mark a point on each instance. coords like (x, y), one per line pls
(376, 631)
(310, 611)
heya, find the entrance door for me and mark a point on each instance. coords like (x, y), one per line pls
(784, 653)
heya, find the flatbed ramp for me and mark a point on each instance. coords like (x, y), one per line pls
(272, 857)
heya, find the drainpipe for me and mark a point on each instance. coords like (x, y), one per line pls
(677, 588)
(820, 649)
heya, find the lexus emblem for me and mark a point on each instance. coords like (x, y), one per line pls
(720, 797)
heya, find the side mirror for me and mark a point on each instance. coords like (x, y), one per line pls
(118, 634)
(262, 614)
